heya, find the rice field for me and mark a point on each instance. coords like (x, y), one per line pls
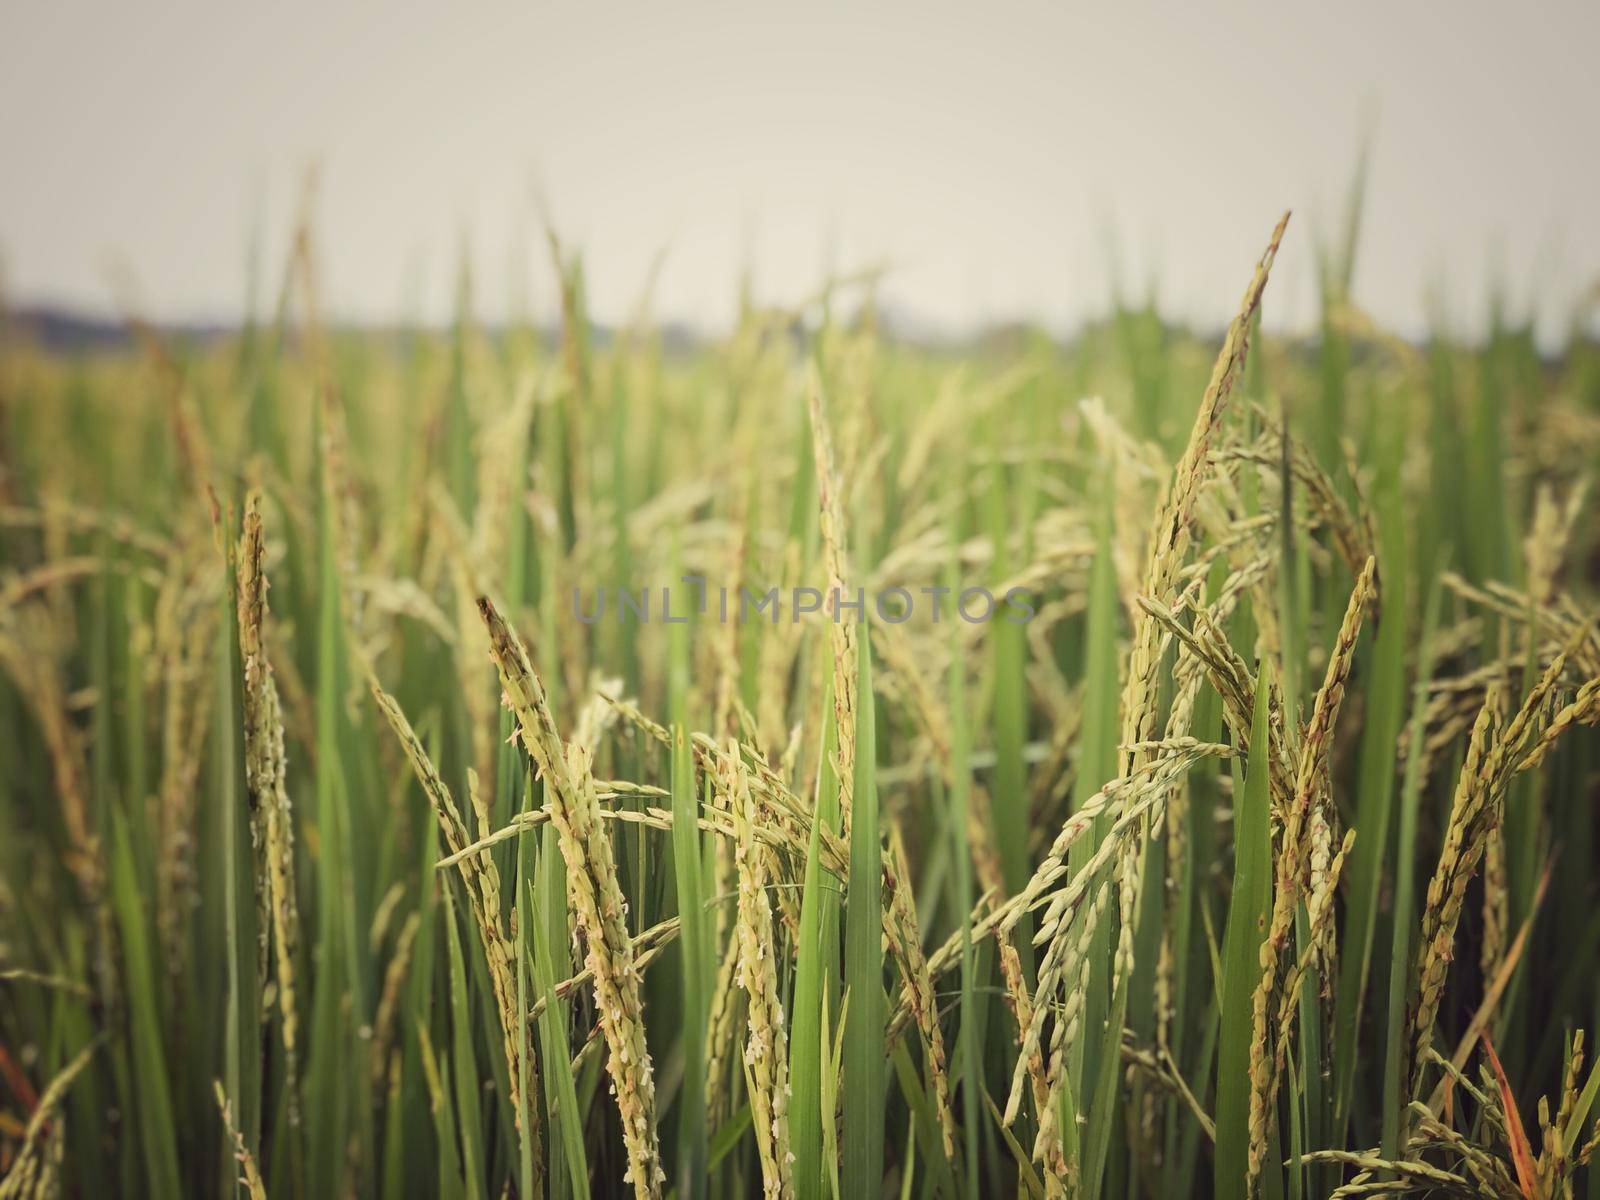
(810, 764)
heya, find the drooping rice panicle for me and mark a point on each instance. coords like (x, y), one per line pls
(479, 877)
(766, 1051)
(597, 899)
(266, 769)
(1295, 871)
(919, 989)
(842, 635)
(35, 1168)
(249, 1173)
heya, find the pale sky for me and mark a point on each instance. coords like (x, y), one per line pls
(992, 153)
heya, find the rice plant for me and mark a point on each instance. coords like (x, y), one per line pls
(806, 765)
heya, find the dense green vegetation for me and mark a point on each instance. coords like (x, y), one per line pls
(343, 851)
